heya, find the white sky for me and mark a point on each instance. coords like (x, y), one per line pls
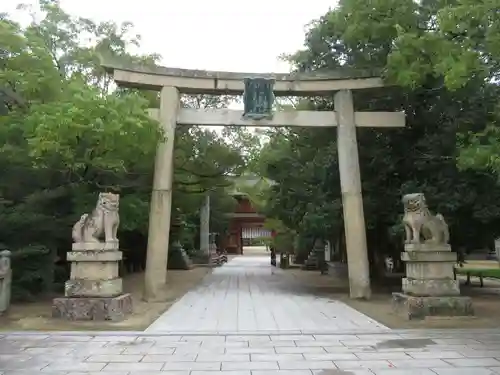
(244, 36)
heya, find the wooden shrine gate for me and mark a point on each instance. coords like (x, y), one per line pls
(258, 94)
(245, 223)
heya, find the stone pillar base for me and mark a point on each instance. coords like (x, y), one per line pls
(311, 263)
(178, 258)
(92, 308)
(416, 307)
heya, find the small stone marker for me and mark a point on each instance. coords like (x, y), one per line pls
(94, 290)
(497, 248)
(5, 280)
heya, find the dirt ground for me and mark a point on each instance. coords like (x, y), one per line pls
(37, 316)
(380, 308)
(486, 301)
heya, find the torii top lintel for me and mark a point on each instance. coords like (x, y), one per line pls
(214, 82)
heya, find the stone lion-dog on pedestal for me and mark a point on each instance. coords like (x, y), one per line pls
(420, 223)
(103, 221)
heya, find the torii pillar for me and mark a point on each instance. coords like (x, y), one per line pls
(352, 199)
(205, 226)
(155, 276)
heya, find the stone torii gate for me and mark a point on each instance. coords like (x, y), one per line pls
(172, 82)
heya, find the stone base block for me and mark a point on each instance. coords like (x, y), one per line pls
(431, 287)
(429, 256)
(414, 307)
(430, 270)
(94, 270)
(112, 308)
(95, 246)
(311, 263)
(93, 288)
(89, 256)
(427, 247)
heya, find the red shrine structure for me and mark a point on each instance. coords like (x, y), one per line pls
(245, 223)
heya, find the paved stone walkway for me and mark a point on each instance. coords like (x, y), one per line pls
(272, 330)
(248, 295)
(390, 353)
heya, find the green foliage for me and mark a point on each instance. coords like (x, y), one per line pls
(255, 187)
(85, 130)
(284, 238)
(480, 150)
(302, 247)
(299, 198)
(32, 272)
(458, 41)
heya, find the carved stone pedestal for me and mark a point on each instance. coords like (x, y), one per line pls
(94, 290)
(429, 288)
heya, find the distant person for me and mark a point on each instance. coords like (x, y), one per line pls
(273, 256)
(389, 264)
(461, 257)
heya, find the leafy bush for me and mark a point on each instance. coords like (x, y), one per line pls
(302, 247)
(32, 272)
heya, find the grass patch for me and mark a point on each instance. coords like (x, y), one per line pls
(485, 272)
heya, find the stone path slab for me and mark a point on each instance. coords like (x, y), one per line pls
(449, 352)
(248, 295)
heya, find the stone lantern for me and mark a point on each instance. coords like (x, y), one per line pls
(177, 257)
(213, 244)
(316, 258)
(175, 229)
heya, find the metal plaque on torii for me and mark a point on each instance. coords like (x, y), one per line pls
(258, 98)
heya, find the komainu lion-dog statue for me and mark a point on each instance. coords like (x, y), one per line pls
(420, 223)
(103, 220)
